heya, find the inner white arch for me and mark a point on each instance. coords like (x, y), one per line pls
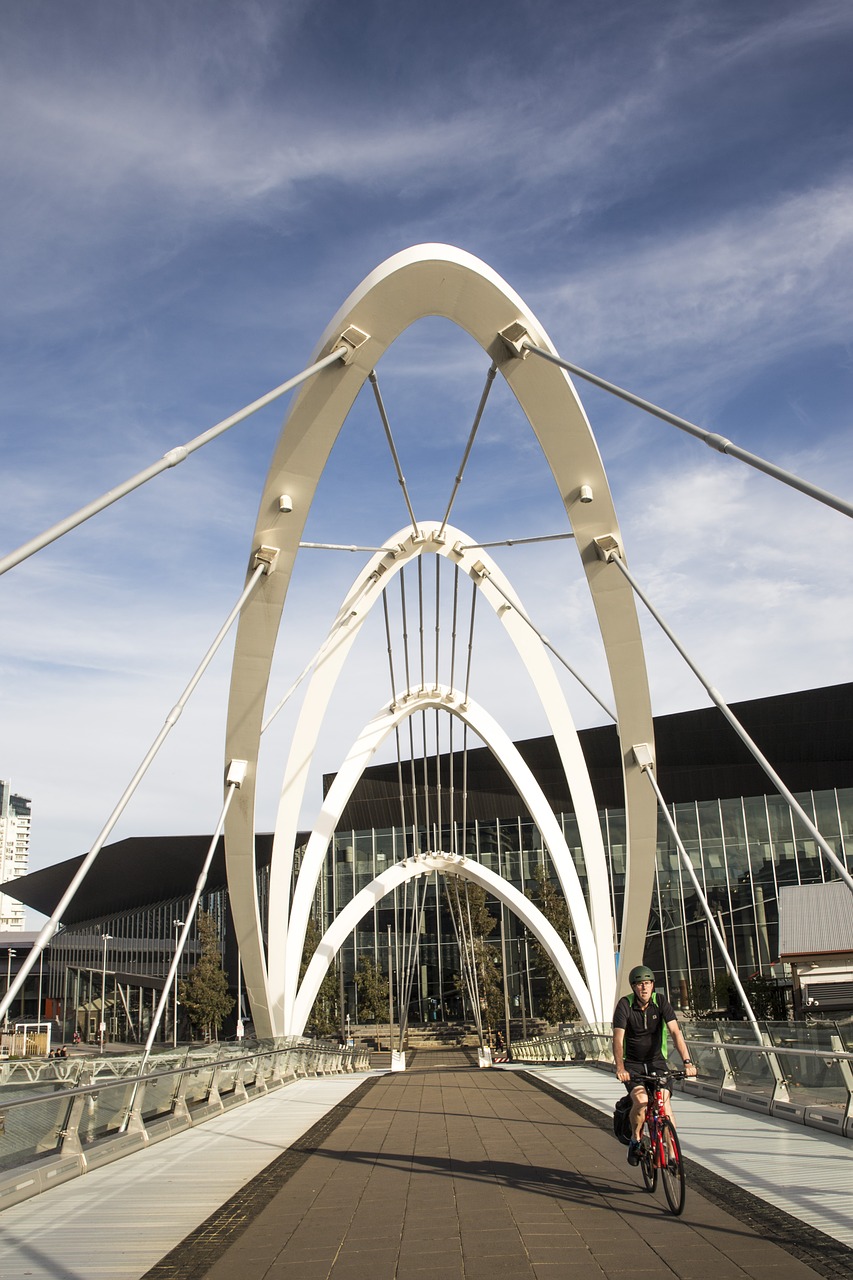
(364, 748)
(401, 873)
(443, 281)
(366, 591)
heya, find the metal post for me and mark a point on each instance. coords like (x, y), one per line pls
(176, 925)
(240, 1031)
(41, 979)
(390, 1002)
(105, 938)
(506, 991)
(9, 953)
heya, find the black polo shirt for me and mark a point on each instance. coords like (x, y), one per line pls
(645, 1029)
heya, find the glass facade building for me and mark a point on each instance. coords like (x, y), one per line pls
(742, 850)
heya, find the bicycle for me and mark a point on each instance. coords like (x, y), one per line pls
(660, 1150)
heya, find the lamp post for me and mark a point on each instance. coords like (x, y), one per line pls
(10, 952)
(105, 938)
(176, 924)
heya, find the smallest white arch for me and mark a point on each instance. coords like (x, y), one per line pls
(466, 868)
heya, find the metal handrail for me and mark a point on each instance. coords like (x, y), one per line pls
(188, 1065)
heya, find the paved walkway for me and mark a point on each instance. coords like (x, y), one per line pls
(476, 1176)
(451, 1174)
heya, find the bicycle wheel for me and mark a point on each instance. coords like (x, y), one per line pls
(647, 1161)
(672, 1173)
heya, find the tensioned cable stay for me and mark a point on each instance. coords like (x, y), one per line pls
(50, 927)
(507, 542)
(181, 946)
(548, 645)
(453, 843)
(335, 546)
(170, 459)
(490, 378)
(424, 750)
(415, 841)
(720, 443)
(374, 382)
(396, 726)
(613, 557)
(474, 973)
(411, 952)
(706, 907)
(466, 957)
(436, 844)
(309, 667)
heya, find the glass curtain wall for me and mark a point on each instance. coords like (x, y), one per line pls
(742, 850)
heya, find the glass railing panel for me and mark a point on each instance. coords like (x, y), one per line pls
(104, 1111)
(813, 1081)
(31, 1131)
(227, 1079)
(751, 1072)
(159, 1096)
(196, 1084)
(707, 1061)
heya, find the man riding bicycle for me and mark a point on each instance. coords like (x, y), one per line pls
(642, 1025)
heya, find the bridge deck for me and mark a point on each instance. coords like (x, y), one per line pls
(440, 1173)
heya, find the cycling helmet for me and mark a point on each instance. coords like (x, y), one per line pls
(640, 973)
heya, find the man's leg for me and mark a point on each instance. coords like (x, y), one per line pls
(639, 1102)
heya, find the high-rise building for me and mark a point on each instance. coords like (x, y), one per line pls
(15, 814)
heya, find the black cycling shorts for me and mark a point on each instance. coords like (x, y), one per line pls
(643, 1069)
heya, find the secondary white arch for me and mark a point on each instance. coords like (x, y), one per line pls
(433, 280)
(401, 549)
(400, 873)
(357, 760)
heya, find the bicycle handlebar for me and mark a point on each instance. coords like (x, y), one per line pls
(658, 1078)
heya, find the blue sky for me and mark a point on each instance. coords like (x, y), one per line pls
(191, 191)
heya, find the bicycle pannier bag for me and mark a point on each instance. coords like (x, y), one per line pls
(622, 1120)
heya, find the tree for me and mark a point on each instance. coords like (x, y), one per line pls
(204, 994)
(324, 1019)
(372, 989)
(556, 1004)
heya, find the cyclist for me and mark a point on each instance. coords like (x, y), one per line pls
(642, 1024)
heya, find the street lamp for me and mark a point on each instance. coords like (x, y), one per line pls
(11, 952)
(177, 924)
(105, 938)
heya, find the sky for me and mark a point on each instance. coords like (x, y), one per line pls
(190, 193)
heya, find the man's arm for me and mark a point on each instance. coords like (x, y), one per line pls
(680, 1044)
(619, 1054)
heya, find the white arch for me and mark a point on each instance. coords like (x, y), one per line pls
(360, 755)
(433, 280)
(364, 593)
(399, 874)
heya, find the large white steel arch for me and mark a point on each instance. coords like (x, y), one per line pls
(365, 592)
(401, 873)
(361, 753)
(432, 280)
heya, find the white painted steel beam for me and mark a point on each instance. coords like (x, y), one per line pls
(468, 869)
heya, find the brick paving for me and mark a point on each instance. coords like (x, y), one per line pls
(472, 1175)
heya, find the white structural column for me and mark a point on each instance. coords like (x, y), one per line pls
(365, 592)
(505, 751)
(434, 280)
(425, 865)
